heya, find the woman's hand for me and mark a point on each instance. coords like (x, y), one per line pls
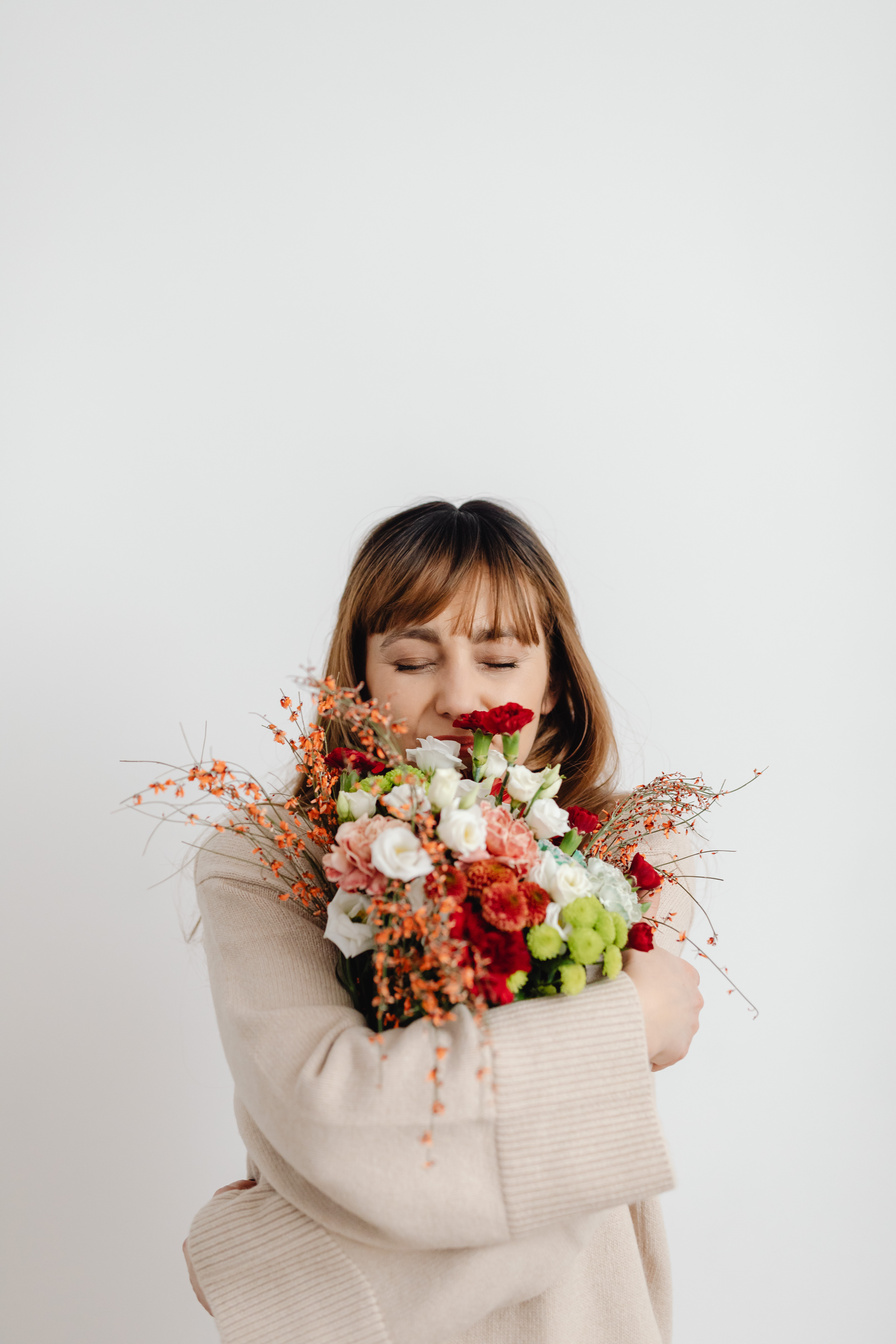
(194, 1282)
(670, 1002)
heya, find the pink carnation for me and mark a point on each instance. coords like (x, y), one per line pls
(507, 839)
(348, 865)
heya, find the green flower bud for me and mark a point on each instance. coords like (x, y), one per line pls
(572, 978)
(585, 946)
(612, 962)
(605, 926)
(544, 942)
(516, 981)
(546, 990)
(582, 912)
(621, 930)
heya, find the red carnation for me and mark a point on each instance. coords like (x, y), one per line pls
(640, 937)
(503, 953)
(504, 904)
(473, 720)
(537, 901)
(506, 719)
(584, 822)
(345, 758)
(644, 873)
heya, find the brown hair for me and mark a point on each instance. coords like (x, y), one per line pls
(412, 565)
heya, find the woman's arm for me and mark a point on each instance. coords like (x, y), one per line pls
(549, 1111)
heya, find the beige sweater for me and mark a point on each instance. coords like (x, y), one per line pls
(535, 1223)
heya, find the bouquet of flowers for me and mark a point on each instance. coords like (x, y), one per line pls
(448, 877)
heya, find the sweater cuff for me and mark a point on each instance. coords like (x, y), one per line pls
(577, 1126)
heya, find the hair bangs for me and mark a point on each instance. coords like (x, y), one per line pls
(420, 590)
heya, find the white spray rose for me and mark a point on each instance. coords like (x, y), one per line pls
(463, 830)
(495, 765)
(398, 853)
(406, 800)
(468, 791)
(551, 779)
(522, 784)
(345, 927)
(572, 881)
(435, 754)
(355, 803)
(613, 890)
(547, 819)
(443, 788)
(554, 917)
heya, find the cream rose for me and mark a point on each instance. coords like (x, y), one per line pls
(355, 803)
(435, 754)
(523, 784)
(345, 923)
(547, 819)
(463, 830)
(406, 800)
(398, 853)
(443, 788)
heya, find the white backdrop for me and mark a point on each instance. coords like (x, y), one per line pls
(273, 270)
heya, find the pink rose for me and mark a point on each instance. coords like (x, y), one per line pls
(348, 865)
(508, 840)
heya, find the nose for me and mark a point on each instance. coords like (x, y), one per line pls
(457, 692)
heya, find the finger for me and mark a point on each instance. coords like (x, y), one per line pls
(236, 1185)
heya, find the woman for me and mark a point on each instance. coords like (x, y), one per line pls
(536, 1223)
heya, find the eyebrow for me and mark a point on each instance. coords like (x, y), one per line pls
(429, 636)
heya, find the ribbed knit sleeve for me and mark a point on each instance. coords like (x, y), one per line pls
(548, 1111)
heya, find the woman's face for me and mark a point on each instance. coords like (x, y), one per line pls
(430, 676)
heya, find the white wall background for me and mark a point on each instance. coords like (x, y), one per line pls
(272, 270)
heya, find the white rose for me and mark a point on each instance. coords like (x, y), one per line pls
(523, 784)
(443, 788)
(350, 934)
(547, 819)
(435, 754)
(551, 779)
(406, 800)
(544, 870)
(553, 916)
(613, 890)
(463, 830)
(572, 881)
(354, 804)
(398, 853)
(468, 791)
(495, 765)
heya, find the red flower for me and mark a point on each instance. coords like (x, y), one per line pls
(484, 872)
(640, 937)
(538, 900)
(473, 720)
(345, 758)
(584, 822)
(504, 904)
(506, 719)
(644, 873)
(509, 718)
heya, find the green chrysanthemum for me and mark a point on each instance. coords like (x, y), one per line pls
(585, 946)
(544, 942)
(516, 981)
(605, 926)
(621, 930)
(582, 912)
(572, 978)
(546, 990)
(612, 962)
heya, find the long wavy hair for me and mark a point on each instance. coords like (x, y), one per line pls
(412, 565)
